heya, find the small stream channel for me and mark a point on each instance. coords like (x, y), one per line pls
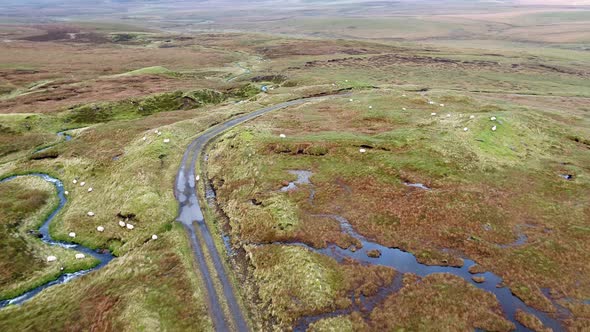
(405, 262)
(103, 257)
(61, 134)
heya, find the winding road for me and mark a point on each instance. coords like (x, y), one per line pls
(191, 216)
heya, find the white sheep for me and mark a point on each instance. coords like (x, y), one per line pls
(122, 223)
(82, 184)
(431, 102)
(494, 128)
(90, 214)
(75, 181)
(129, 226)
(80, 256)
(448, 115)
(282, 136)
(51, 258)
(100, 229)
(362, 150)
(72, 235)
(465, 129)
(154, 237)
(433, 114)
(144, 138)
(198, 177)
(166, 140)
(493, 118)
(350, 100)
(156, 131)
(403, 108)
(370, 107)
(90, 189)
(442, 105)
(159, 133)
(472, 117)
(66, 193)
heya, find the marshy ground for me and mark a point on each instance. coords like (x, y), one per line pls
(513, 199)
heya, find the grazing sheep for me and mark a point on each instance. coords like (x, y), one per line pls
(472, 117)
(90, 214)
(154, 237)
(493, 118)
(370, 107)
(66, 193)
(448, 115)
(122, 223)
(159, 133)
(72, 235)
(82, 184)
(442, 105)
(166, 140)
(156, 131)
(403, 108)
(350, 100)
(80, 256)
(362, 150)
(465, 129)
(433, 114)
(75, 181)
(90, 189)
(100, 229)
(144, 138)
(51, 258)
(404, 95)
(198, 177)
(282, 135)
(494, 128)
(129, 226)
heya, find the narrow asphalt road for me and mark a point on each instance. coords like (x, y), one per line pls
(191, 216)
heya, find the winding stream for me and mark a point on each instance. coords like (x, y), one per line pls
(405, 262)
(104, 258)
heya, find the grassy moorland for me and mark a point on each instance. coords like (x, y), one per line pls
(513, 199)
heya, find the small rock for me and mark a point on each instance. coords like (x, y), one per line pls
(122, 223)
(494, 128)
(80, 256)
(362, 150)
(350, 100)
(51, 258)
(72, 235)
(403, 95)
(282, 135)
(448, 115)
(442, 105)
(100, 229)
(374, 253)
(479, 280)
(129, 226)
(154, 237)
(166, 140)
(91, 214)
(90, 189)
(156, 131)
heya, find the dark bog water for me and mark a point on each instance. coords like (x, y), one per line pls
(405, 262)
(104, 258)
